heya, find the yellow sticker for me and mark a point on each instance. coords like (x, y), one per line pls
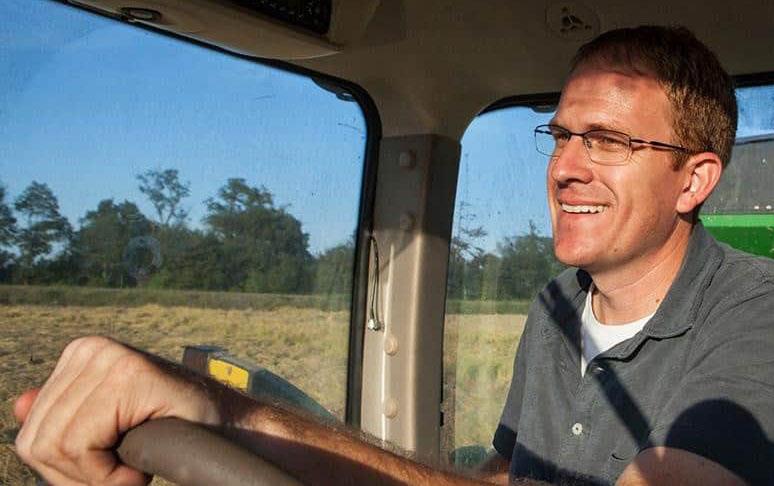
(228, 373)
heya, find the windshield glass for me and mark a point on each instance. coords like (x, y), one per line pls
(170, 195)
(746, 186)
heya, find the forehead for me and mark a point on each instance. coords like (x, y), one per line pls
(603, 97)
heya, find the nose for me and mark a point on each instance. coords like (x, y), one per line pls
(573, 163)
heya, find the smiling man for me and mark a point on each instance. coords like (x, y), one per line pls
(653, 359)
(649, 362)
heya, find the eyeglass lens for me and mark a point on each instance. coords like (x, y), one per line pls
(603, 146)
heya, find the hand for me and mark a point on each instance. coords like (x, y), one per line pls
(99, 390)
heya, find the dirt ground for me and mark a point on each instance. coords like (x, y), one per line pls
(287, 341)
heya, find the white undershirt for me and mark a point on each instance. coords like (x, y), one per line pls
(596, 338)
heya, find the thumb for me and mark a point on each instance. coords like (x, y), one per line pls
(23, 404)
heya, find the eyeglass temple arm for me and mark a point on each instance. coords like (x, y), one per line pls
(659, 144)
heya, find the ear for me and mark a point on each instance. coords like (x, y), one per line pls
(701, 173)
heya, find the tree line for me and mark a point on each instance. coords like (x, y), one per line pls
(245, 243)
(519, 268)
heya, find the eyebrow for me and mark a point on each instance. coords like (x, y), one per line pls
(594, 126)
(600, 126)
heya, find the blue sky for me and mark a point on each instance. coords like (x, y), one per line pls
(86, 104)
(91, 104)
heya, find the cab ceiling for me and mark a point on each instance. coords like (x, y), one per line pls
(432, 65)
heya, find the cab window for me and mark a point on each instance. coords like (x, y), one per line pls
(501, 256)
(170, 195)
(741, 210)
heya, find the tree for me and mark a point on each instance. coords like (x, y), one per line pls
(334, 269)
(165, 192)
(45, 226)
(464, 274)
(7, 221)
(105, 238)
(490, 276)
(7, 234)
(192, 260)
(527, 263)
(263, 247)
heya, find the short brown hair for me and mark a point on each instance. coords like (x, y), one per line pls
(699, 90)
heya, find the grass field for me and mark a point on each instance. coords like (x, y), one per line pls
(287, 340)
(478, 363)
(91, 296)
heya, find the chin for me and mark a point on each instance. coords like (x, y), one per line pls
(572, 253)
(571, 259)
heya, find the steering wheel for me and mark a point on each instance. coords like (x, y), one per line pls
(189, 454)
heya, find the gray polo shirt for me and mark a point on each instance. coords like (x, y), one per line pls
(699, 377)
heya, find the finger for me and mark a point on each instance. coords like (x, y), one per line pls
(73, 359)
(23, 404)
(72, 442)
(118, 478)
(40, 441)
(93, 450)
(92, 433)
(69, 351)
(54, 478)
(126, 476)
(46, 395)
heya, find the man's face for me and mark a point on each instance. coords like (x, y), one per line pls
(633, 205)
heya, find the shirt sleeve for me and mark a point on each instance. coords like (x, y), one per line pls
(505, 436)
(725, 408)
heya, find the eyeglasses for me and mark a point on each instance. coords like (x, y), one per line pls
(606, 147)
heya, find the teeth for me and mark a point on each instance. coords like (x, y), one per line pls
(582, 209)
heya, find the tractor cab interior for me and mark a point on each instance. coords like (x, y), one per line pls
(337, 201)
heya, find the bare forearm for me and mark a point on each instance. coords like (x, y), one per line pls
(100, 389)
(495, 469)
(666, 465)
(317, 453)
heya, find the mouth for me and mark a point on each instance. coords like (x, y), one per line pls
(582, 208)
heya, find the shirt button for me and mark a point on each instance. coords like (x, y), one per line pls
(577, 429)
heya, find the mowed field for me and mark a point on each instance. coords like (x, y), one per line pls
(288, 341)
(478, 363)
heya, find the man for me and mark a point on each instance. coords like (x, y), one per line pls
(656, 360)
(644, 126)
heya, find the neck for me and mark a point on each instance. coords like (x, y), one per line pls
(633, 291)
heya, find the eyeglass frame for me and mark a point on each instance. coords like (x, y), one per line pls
(582, 135)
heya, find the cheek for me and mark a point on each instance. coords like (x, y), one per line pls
(550, 196)
(650, 201)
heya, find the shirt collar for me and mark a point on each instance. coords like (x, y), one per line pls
(564, 296)
(677, 312)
